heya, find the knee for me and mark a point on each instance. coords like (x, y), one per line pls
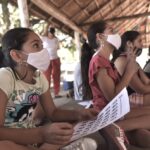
(7, 145)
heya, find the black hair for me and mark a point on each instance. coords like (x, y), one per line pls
(51, 30)
(87, 52)
(1, 58)
(86, 55)
(127, 36)
(13, 39)
(149, 50)
(97, 27)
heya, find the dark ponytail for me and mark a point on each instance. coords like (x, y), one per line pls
(87, 52)
(86, 55)
(2, 62)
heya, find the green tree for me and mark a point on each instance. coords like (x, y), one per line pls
(5, 14)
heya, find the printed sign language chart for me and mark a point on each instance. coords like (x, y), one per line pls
(116, 109)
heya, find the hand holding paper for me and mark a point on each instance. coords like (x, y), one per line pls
(116, 109)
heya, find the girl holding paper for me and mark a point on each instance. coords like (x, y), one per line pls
(105, 81)
(22, 87)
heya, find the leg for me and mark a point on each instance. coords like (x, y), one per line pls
(140, 138)
(138, 111)
(8, 145)
(49, 147)
(56, 75)
(131, 147)
(47, 73)
(139, 99)
(137, 120)
(140, 122)
(146, 101)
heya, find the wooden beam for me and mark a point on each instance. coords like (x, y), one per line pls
(97, 11)
(122, 18)
(65, 4)
(82, 10)
(122, 24)
(135, 23)
(57, 14)
(118, 6)
(97, 4)
(36, 13)
(138, 9)
(122, 9)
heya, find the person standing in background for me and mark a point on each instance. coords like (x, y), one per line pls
(51, 43)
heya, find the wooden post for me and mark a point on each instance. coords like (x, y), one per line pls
(23, 11)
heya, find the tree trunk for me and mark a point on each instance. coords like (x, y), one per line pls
(6, 14)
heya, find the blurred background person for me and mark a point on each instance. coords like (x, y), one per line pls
(51, 43)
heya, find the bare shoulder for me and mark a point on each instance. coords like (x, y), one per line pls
(121, 61)
(120, 64)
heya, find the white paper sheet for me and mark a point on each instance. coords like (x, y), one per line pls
(116, 109)
(86, 104)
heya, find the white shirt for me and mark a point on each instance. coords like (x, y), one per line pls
(52, 45)
(78, 82)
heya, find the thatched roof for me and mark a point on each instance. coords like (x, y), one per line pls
(77, 15)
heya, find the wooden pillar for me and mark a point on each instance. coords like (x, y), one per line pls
(77, 43)
(23, 11)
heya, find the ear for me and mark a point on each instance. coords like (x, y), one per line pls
(98, 36)
(129, 44)
(15, 55)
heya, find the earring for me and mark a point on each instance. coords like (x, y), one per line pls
(102, 43)
(23, 63)
(20, 62)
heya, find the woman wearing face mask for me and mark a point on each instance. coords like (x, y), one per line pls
(21, 87)
(51, 43)
(105, 81)
(140, 83)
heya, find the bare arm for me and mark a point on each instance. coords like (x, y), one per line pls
(56, 133)
(139, 79)
(108, 86)
(143, 77)
(136, 83)
(56, 114)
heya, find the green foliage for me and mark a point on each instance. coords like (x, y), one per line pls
(9, 18)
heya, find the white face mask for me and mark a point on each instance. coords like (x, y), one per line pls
(115, 40)
(39, 60)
